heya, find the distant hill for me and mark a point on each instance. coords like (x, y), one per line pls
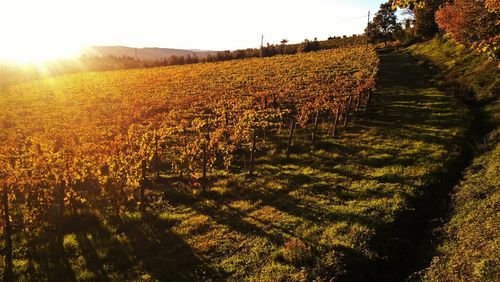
(142, 53)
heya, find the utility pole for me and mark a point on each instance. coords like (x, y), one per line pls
(262, 46)
(367, 29)
(136, 54)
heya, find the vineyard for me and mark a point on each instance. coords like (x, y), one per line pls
(107, 168)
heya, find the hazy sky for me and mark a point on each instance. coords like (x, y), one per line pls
(61, 26)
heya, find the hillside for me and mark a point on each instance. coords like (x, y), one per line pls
(311, 210)
(142, 53)
(370, 157)
(469, 247)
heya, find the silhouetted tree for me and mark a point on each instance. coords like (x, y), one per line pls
(308, 46)
(384, 25)
(283, 44)
(425, 24)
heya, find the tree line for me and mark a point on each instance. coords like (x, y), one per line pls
(471, 23)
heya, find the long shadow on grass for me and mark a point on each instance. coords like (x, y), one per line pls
(46, 262)
(146, 248)
(160, 252)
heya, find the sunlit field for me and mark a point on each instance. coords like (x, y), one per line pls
(194, 173)
(346, 140)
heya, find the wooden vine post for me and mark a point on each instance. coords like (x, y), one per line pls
(207, 122)
(290, 138)
(8, 274)
(315, 129)
(252, 154)
(358, 101)
(368, 98)
(347, 111)
(356, 107)
(204, 179)
(244, 160)
(60, 191)
(142, 186)
(204, 160)
(336, 120)
(157, 159)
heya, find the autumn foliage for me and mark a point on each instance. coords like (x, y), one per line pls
(472, 23)
(88, 139)
(407, 4)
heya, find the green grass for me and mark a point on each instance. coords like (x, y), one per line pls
(315, 216)
(470, 247)
(456, 65)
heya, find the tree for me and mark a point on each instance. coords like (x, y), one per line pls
(309, 46)
(384, 25)
(493, 5)
(425, 24)
(283, 44)
(472, 23)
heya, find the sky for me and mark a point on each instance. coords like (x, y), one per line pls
(54, 28)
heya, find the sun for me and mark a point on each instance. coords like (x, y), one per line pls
(37, 31)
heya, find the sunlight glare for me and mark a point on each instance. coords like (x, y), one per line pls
(38, 53)
(38, 30)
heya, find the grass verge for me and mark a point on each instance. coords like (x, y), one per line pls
(470, 239)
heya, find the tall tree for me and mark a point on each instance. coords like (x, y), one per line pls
(384, 25)
(424, 11)
(309, 46)
(283, 44)
(425, 24)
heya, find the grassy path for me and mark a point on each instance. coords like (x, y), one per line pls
(431, 116)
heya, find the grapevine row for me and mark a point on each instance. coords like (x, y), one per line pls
(95, 139)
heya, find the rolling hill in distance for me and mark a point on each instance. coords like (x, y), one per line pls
(147, 53)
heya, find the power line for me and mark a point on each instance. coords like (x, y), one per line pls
(350, 20)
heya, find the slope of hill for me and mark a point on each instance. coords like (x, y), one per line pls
(313, 215)
(142, 53)
(471, 242)
(457, 66)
